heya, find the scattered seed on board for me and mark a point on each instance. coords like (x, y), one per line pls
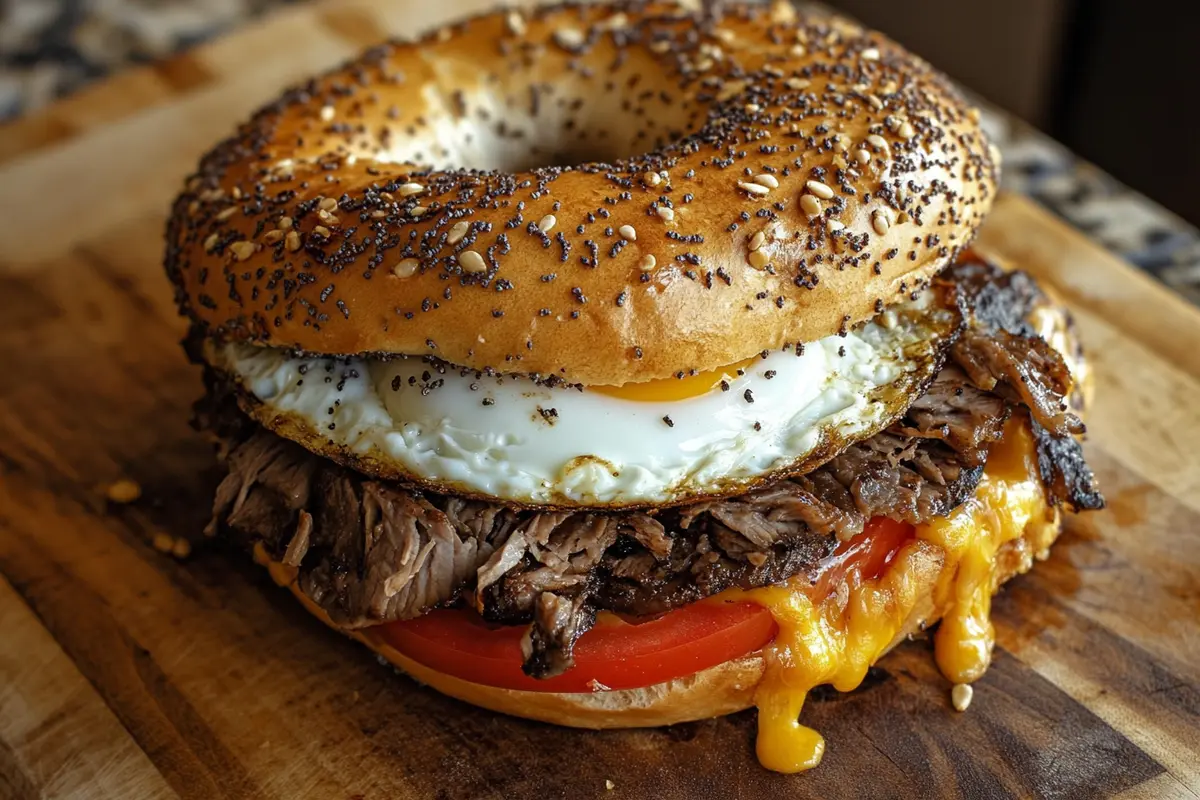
(961, 696)
(123, 491)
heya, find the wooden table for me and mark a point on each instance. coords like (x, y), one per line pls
(125, 672)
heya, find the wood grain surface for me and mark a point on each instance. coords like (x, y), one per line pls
(128, 673)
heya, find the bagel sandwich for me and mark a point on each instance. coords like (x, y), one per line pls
(627, 364)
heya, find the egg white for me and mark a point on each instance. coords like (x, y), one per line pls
(509, 438)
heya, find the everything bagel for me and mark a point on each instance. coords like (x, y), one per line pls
(605, 193)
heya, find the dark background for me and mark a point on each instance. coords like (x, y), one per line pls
(1117, 81)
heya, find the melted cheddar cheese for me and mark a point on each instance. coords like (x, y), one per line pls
(835, 639)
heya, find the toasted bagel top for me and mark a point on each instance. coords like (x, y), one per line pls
(607, 193)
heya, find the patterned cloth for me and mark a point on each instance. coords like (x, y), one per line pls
(51, 47)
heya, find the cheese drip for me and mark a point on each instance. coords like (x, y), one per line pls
(835, 639)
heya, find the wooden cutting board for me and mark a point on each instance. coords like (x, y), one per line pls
(128, 673)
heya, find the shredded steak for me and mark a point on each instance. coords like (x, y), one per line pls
(370, 552)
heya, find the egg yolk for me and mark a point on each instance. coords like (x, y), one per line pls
(671, 389)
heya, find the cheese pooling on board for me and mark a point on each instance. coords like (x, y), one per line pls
(834, 639)
(514, 439)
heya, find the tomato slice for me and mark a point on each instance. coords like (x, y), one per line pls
(619, 654)
(864, 557)
(614, 654)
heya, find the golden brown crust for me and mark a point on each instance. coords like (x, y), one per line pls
(723, 689)
(797, 172)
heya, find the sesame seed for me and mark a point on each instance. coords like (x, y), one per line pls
(327, 204)
(568, 38)
(652, 178)
(242, 250)
(615, 22)
(819, 189)
(905, 131)
(326, 113)
(670, 422)
(754, 189)
(756, 241)
(628, 232)
(409, 189)
(879, 222)
(770, 181)
(406, 268)
(457, 231)
(758, 259)
(292, 241)
(326, 217)
(810, 205)
(472, 261)
(210, 243)
(226, 214)
(875, 102)
(961, 696)
(648, 262)
(321, 230)
(862, 156)
(123, 491)
(547, 223)
(877, 141)
(871, 54)
(515, 23)
(797, 83)
(284, 223)
(668, 214)
(273, 237)
(417, 211)
(378, 213)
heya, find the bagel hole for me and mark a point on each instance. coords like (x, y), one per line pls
(493, 131)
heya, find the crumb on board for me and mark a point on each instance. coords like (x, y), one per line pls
(166, 543)
(608, 784)
(961, 696)
(123, 491)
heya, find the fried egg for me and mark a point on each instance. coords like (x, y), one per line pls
(516, 440)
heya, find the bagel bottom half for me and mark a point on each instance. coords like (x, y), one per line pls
(713, 692)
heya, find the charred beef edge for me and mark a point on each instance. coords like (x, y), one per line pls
(368, 551)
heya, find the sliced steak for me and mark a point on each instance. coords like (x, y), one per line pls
(370, 552)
